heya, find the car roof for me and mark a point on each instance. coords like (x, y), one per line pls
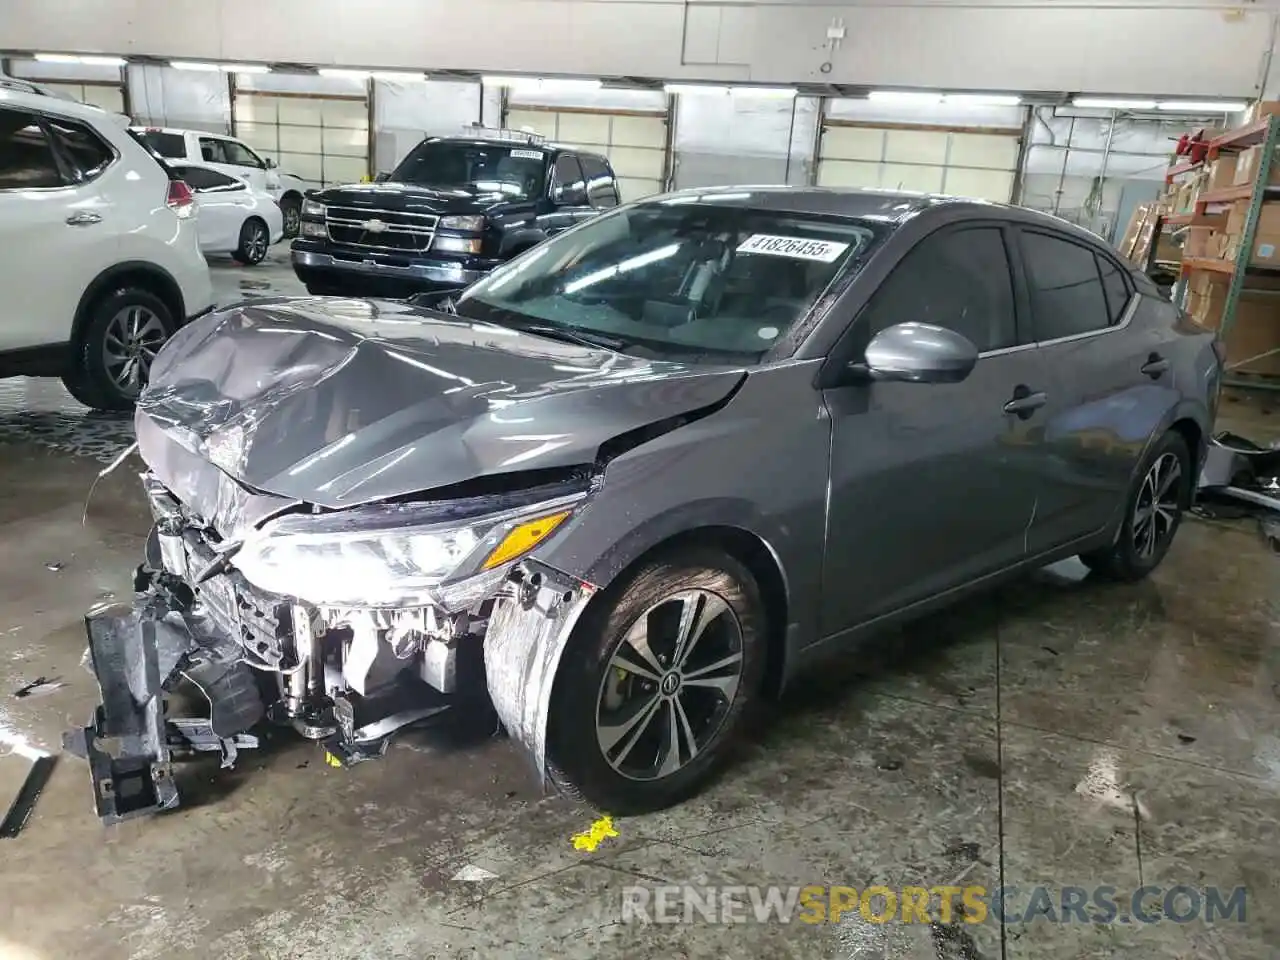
(47, 103)
(890, 206)
(179, 131)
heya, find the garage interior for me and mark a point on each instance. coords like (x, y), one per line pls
(1057, 732)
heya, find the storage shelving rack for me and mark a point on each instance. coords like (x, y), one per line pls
(1265, 132)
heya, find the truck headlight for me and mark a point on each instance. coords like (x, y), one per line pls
(468, 224)
(457, 244)
(312, 208)
(392, 555)
(309, 228)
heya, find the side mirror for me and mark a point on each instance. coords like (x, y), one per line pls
(570, 195)
(919, 353)
(269, 164)
(382, 176)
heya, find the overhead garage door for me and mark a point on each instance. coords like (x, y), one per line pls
(324, 139)
(634, 141)
(958, 162)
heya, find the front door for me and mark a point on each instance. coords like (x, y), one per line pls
(234, 158)
(934, 485)
(568, 194)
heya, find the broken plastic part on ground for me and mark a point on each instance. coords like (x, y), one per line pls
(1241, 478)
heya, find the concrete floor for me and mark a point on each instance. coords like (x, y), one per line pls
(1057, 733)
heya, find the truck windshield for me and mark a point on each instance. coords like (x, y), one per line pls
(695, 281)
(513, 171)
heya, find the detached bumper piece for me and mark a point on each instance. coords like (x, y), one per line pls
(139, 654)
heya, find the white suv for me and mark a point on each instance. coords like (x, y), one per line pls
(99, 256)
(230, 156)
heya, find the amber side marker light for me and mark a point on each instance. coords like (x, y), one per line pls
(524, 537)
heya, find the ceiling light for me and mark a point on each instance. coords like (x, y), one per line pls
(904, 96)
(695, 88)
(191, 65)
(982, 99)
(1202, 106)
(244, 68)
(1103, 103)
(86, 60)
(393, 76)
(343, 74)
(764, 91)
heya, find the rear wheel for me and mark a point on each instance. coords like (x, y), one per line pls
(255, 239)
(1153, 513)
(291, 207)
(112, 359)
(654, 689)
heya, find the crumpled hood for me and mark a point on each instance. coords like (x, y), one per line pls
(338, 402)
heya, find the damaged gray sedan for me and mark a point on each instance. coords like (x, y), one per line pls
(634, 480)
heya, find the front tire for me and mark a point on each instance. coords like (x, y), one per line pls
(255, 240)
(112, 359)
(1153, 513)
(291, 208)
(656, 683)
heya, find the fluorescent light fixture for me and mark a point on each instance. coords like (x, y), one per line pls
(982, 99)
(395, 76)
(343, 74)
(1202, 106)
(192, 65)
(75, 58)
(763, 91)
(244, 68)
(542, 83)
(1106, 103)
(708, 89)
(904, 96)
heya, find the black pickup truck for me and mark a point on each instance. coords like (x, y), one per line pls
(453, 209)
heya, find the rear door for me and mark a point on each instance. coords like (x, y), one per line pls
(934, 485)
(1110, 382)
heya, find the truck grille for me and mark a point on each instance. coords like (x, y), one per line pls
(380, 229)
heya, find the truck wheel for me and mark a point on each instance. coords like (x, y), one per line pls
(255, 239)
(653, 691)
(113, 356)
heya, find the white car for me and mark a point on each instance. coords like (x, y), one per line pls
(100, 259)
(229, 155)
(232, 215)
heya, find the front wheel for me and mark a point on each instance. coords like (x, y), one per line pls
(291, 208)
(255, 238)
(1153, 512)
(656, 683)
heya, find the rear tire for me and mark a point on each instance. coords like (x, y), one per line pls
(601, 746)
(112, 358)
(255, 241)
(1153, 512)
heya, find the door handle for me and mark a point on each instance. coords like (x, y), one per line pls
(1024, 402)
(83, 219)
(1155, 366)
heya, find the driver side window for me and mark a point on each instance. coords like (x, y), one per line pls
(958, 279)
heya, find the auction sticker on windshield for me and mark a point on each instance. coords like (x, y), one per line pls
(799, 248)
(526, 154)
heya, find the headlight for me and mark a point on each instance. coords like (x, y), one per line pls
(457, 244)
(471, 224)
(310, 229)
(311, 208)
(393, 555)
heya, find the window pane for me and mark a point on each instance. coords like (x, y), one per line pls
(211, 150)
(169, 145)
(239, 153)
(82, 148)
(1117, 289)
(26, 157)
(1066, 291)
(958, 279)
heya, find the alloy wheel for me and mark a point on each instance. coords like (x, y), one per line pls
(669, 685)
(255, 244)
(1158, 507)
(292, 219)
(134, 337)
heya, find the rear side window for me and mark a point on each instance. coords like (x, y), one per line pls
(1066, 289)
(602, 191)
(1115, 286)
(568, 179)
(203, 179)
(80, 148)
(26, 153)
(212, 151)
(170, 145)
(958, 279)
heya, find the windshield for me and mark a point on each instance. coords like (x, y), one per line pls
(517, 172)
(689, 280)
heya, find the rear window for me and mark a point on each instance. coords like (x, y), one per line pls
(171, 145)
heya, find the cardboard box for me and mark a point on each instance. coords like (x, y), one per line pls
(1260, 110)
(1247, 168)
(1255, 331)
(1197, 242)
(1222, 172)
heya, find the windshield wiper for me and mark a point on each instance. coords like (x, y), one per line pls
(572, 335)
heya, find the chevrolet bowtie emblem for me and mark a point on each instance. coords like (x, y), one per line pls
(374, 226)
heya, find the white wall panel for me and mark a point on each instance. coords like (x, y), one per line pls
(1087, 46)
(39, 70)
(603, 99)
(187, 99)
(314, 127)
(743, 139)
(405, 113)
